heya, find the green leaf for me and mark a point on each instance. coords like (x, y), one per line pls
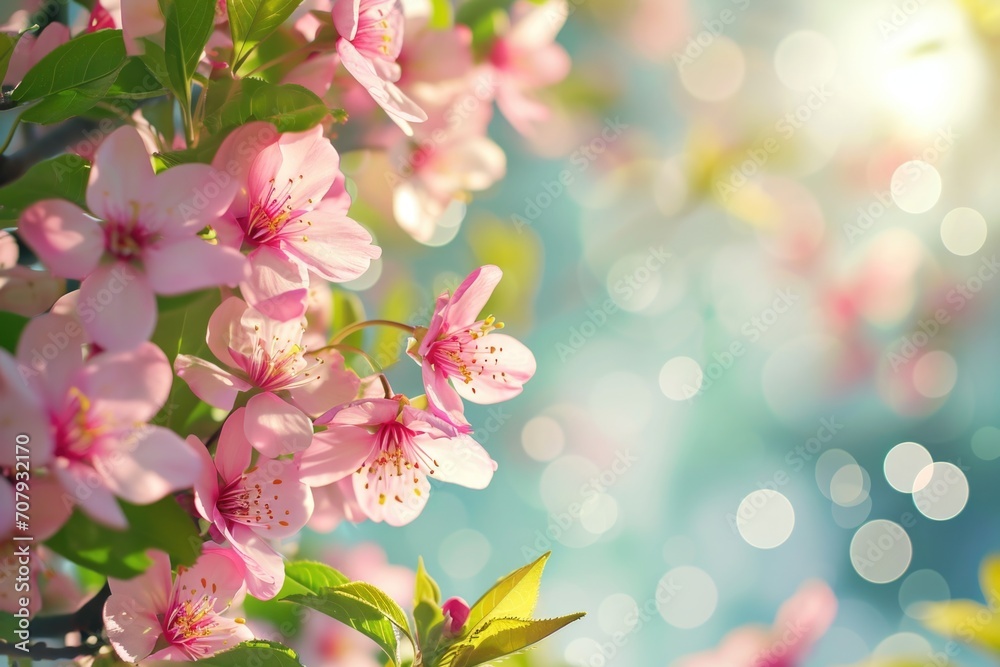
(189, 24)
(514, 596)
(89, 58)
(305, 577)
(474, 11)
(68, 103)
(63, 177)
(364, 608)
(289, 107)
(426, 588)
(163, 525)
(251, 21)
(136, 82)
(7, 42)
(427, 614)
(348, 309)
(442, 15)
(252, 652)
(501, 637)
(11, 326)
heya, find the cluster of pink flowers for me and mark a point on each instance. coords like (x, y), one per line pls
(305, 440)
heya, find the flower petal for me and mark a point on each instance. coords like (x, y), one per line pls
(87, 487)
(276, 428)
(50, 353)
(277, 286)
(460, 460)
(219, 574)
(206, 488)
(232, 456)
(470, 298)
(124, 304)
(332, 245)
(331, 384)
(67, 241)
(176, 266)
(130, 613)
(286, 503)
(120, 176)
(188, 197)
(225, 329)
(507, 365)
(127, 388)
(345, 17)
(334, 454)
(21, 412)
(208, 382)
(265, 568)
(393, 499)
(235, 157)
(400, 108)
(150, 463)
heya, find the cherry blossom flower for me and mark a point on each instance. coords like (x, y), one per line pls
(801, 621)
(391, 449)
(267, 356)
(144, 241)
(47, 588)
(23, 290)
(87, 420)
(185, 616)
(249, 504)
(291, 213)
(371, 36)
(30, 49)
(483, 366)
(527, 58)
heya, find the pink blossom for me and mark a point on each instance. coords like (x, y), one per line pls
(483, 366)
(291, 213)
(456, 613)
(528, 58)
(144, 240)
(49, 589)
(137, 19)
(266, 355)
(801, 621)
(390, 449)
(371, 36)
(247, 504)
(23, 290)
(86, 420)
(30, 49)
(335, 503)
(185, 616)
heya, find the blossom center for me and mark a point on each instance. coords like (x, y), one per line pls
(243, 502)
(466, 355)
(396, 461)
(379, 33)
(77, 427)
(269, 214)
(125, 240)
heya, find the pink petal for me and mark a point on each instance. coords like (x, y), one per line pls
(224, 328)
(208, 382)
(236, 154)
(127, 388)
(28, 292)
(139, 19)
(278, 286)
(188, 197)
(335, 503)
(232, 456)
(218, 573)
(206, 488)
(811, 611)
(441, 396)
(265, 568)
(437, 326)
(8, 250)
(276, 428)
(130, 613)
(21, 412)
(152, 462)
(288, 502)
(123, 305)
(331, 384)
(91, 493)
(460, 460)
(345, 17)
(514, 365)
(306, 161)
(334, 454)
(67, 241)
(176, 266)
(50, 353)
(396, 104)
(334, 247)
(120, 176)
(150, 591)
(367, 412)
(315, 74)
(48, 517)
(380, 504)
(471, 296)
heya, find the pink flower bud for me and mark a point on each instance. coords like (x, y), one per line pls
(456, 613)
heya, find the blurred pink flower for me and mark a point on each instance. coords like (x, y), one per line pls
(49, 588)
(371, 36)
(86, 420)
(391, 449)
(528, 58)
(291, 212)
(23, 290)
(144, 241)
(185, 616)
(248, 504)
(800, 622)
(484, 367)
(136, 18)
(30, 49)
(267, 355)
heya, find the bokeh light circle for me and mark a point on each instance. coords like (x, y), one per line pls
(986, 443)
(963, 231)
(805, 59)
(916, 186)
(681, 378)
(919, 588)
(765, 519)
(935, 374)
(543, 438)
(686, 597)
(881, 551)
(903, 463)
(944, 491)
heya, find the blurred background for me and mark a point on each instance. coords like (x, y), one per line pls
(752, 250)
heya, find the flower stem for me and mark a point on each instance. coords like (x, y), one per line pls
(358, 326)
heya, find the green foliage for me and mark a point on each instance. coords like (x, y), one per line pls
(63, 177)
(7, 42)
(253, 652)
(427, 615)
(11, 326)
(163, 525)
(289, 107)
(189, 24)
(252, 21)
(87, 59)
